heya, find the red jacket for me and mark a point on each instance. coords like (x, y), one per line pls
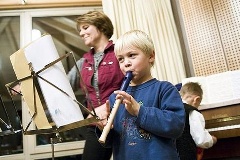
(110, 76)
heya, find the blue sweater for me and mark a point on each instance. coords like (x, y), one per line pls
(151, 135)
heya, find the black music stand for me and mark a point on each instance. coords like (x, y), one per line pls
(35, 77)
(8, 123)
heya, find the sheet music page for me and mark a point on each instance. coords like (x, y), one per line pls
(63, 109)
(220, 87)
(21, 69)
(235, 83)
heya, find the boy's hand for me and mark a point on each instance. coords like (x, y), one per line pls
(130, 103)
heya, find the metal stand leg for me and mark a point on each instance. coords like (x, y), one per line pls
(52, 146)
(53, 141)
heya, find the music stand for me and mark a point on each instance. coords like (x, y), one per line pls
(43, 76)
(8, 123)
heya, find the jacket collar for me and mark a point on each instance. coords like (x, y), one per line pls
(109, 46)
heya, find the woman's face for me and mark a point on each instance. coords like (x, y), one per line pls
(90, 34)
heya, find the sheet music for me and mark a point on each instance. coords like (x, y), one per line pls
(219, 89)
(63, 110)
(21, 69)
(235, 83)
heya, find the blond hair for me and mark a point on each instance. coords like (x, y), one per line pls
(137, 39)
(192, 88)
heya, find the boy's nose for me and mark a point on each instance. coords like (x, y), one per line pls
(127, 64)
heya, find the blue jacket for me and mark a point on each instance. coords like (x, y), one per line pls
(153, 133)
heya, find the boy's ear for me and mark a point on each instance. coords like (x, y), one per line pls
(197, 100)
(152, 56)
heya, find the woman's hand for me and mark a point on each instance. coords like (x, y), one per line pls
(102, 112)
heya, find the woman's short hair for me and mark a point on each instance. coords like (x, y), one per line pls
(98, 19)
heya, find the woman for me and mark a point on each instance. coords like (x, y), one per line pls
(100, 73)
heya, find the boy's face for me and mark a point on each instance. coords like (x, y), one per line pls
(133, 59)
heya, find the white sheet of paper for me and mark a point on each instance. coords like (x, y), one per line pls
(63, 109)
(219, 90)
(220, 87)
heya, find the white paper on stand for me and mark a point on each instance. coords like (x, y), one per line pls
(63, 109)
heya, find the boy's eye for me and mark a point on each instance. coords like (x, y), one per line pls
(132, 55)
(120, 60)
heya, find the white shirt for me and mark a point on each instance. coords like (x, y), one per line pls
(200, 135)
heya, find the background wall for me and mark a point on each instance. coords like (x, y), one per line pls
(212, 33)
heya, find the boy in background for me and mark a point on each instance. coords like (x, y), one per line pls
(195, 137)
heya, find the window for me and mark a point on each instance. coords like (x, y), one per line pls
(11, 136)
(60, 24)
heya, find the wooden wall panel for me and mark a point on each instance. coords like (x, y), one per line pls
(228, 20)
(212, 30)
(203, 37)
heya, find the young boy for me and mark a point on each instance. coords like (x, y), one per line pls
(194, 134)
(151, 115)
